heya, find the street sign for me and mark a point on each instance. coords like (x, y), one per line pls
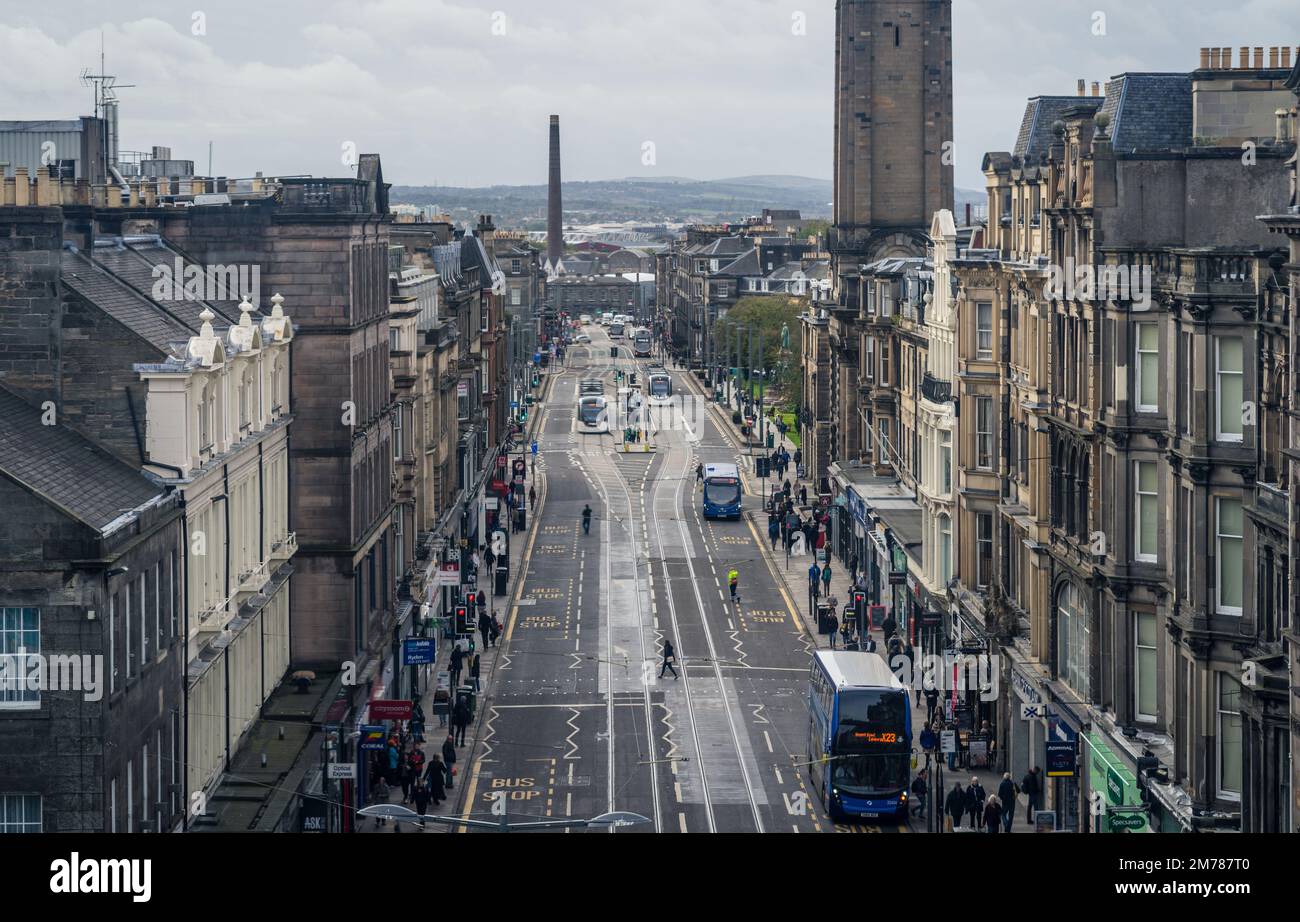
(898, 577)
(449, 574)
(1060, 758)
(372, 738)
(417, 651)
(340, 771)
(1032, 711)
(534, 446)
(948, 741)
(1127, 821)
(520, 468)
(390, 709)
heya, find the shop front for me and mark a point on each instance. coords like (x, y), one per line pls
(1063, 763)
(1113, 797)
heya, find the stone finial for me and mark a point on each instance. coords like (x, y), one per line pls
(277, 299)
(245, 312)
(205, 331)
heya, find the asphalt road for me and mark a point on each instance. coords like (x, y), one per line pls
(577, 720)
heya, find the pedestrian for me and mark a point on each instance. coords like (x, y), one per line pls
(448, 756)
(832, 626)
(853, 568)
(460, 720)
(485, 627)
(785, 487)
(393, 772)
(955, 806)
(456, 664)
(798, 456)
(929, 739)
(889, 626)
(733, 584)
(699, 473)
(920, 790)
(404, 777)
(532, 498)
(814, 577)
(826, 577)
(474, 674)
(435, 776)
(773, 530)
(993, 815)
(670, 656)
(975, 798)
(1031, 786)
(494, 632)
(803, 495)
(931, 703)
(1007, 792)
(421, 797)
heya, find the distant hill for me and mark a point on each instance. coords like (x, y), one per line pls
(648, 200)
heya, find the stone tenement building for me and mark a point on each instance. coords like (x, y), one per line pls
(153, 397)
(1121, 444)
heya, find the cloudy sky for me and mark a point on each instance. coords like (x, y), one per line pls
(457, 92)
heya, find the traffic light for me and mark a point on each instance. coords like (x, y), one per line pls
(859, 606)
(761, 466)
(462, 620)
(613, 352)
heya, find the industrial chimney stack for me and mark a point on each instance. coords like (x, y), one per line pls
(554, 226)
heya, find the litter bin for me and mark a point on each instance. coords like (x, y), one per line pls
(466, 693)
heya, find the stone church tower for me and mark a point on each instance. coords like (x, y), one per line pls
(893, 127)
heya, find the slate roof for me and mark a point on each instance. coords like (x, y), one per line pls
(728, 246)
(66, 470)
(133, 261)
(1149, 112)
(1041, 112)
(745, 265)
(128, 307)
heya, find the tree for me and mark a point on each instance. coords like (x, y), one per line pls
(766, 315)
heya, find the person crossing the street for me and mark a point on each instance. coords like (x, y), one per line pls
(586, 520)
(670, 656)
(733, 584)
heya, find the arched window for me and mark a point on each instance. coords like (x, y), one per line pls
(1073, 639)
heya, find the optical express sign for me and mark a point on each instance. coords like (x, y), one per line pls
(1117, 785)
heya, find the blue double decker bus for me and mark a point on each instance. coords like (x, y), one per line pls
(722, 490)
(860, 735)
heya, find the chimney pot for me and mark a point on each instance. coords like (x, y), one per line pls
(1259, 57)
(1273, 56)
(1096, 88)
(1286, 56)
(1244, 61)
(1227, 58)
(1082, 84)
(1205, 58)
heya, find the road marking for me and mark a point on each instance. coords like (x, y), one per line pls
(681, 821)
